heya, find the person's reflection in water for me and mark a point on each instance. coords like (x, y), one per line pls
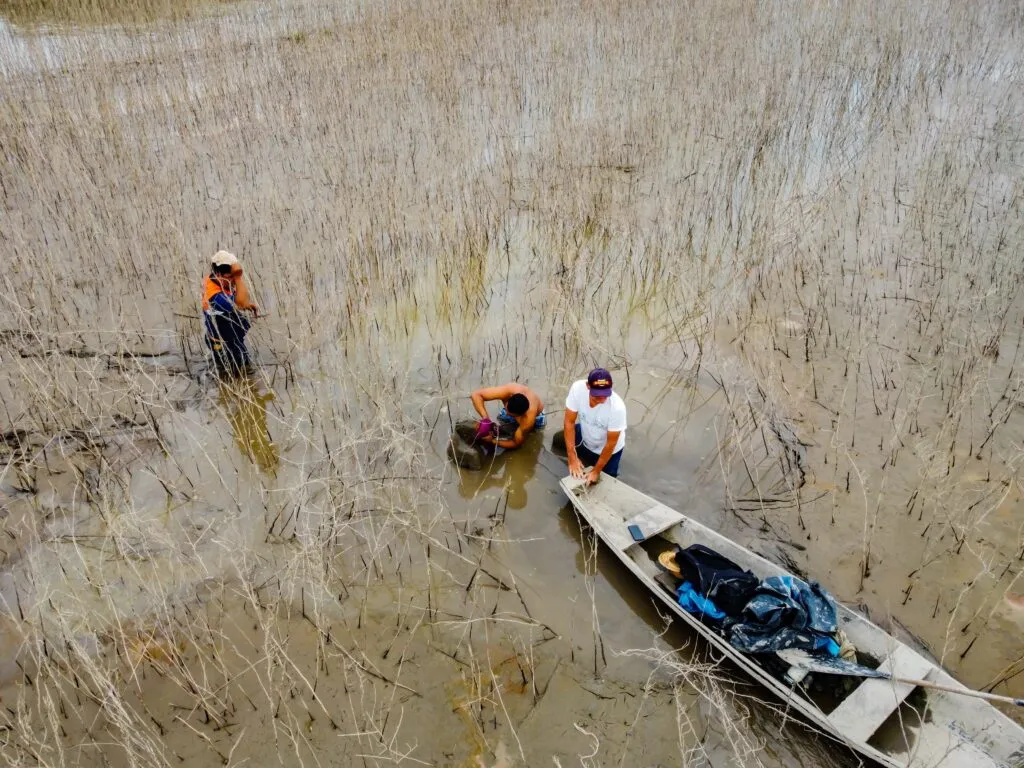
(246, 410)
(506, 469)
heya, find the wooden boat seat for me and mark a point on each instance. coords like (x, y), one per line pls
(655, 520)
(862, 712)
(608, 522)
(616, 531)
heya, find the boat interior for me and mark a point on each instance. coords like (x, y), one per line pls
(906, 724)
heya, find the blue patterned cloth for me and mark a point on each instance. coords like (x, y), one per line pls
(786, 612)
(507, 418)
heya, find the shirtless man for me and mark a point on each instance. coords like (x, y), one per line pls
(522, 407)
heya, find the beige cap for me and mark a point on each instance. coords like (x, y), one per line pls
(224, 259)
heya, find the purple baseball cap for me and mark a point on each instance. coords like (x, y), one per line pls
(600, 383)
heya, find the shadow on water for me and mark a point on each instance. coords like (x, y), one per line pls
(511, 470)
(30, 13)
(245, 406)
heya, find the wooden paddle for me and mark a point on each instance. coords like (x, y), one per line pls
(835, 666)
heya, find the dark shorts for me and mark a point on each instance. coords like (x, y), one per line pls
(507, 418)
(589, 458)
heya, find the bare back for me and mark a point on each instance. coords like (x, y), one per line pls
(536, 404)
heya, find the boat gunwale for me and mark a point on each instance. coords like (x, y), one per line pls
(814, 714)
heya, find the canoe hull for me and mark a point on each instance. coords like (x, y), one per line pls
(959, 732)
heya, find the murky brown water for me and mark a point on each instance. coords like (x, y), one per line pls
(791, 235)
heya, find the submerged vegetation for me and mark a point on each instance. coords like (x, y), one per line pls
(793, 231)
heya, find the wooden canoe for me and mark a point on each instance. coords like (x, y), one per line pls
(931, 729)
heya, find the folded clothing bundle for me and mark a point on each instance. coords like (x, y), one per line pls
(756, 616)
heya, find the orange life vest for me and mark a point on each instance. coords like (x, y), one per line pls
(237, 290)
(211, 288)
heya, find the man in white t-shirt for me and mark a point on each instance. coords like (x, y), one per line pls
(597, 418)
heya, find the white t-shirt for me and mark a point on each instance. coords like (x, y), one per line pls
(596, 423)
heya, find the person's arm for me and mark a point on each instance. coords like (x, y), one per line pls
(482, 395)
(242, 299)
(575, 465)
(605, 457)
(514, 442)
(518, 438)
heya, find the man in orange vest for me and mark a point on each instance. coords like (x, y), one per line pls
(224, 298)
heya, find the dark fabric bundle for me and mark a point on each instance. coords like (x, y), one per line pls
(787, 613)
(757, 616)
(717, 577)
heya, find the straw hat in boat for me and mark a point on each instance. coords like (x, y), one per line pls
(668, 562)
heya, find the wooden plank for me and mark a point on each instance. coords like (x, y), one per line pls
(616, 537)
(863, 711)
(655, 520)
(606, 522)
(594, 504)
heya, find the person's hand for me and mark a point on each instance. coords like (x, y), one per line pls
(593, 476)
(255, 310)
(484, 428)
(576, 467)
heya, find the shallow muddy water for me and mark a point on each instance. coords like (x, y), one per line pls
(791, 234)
